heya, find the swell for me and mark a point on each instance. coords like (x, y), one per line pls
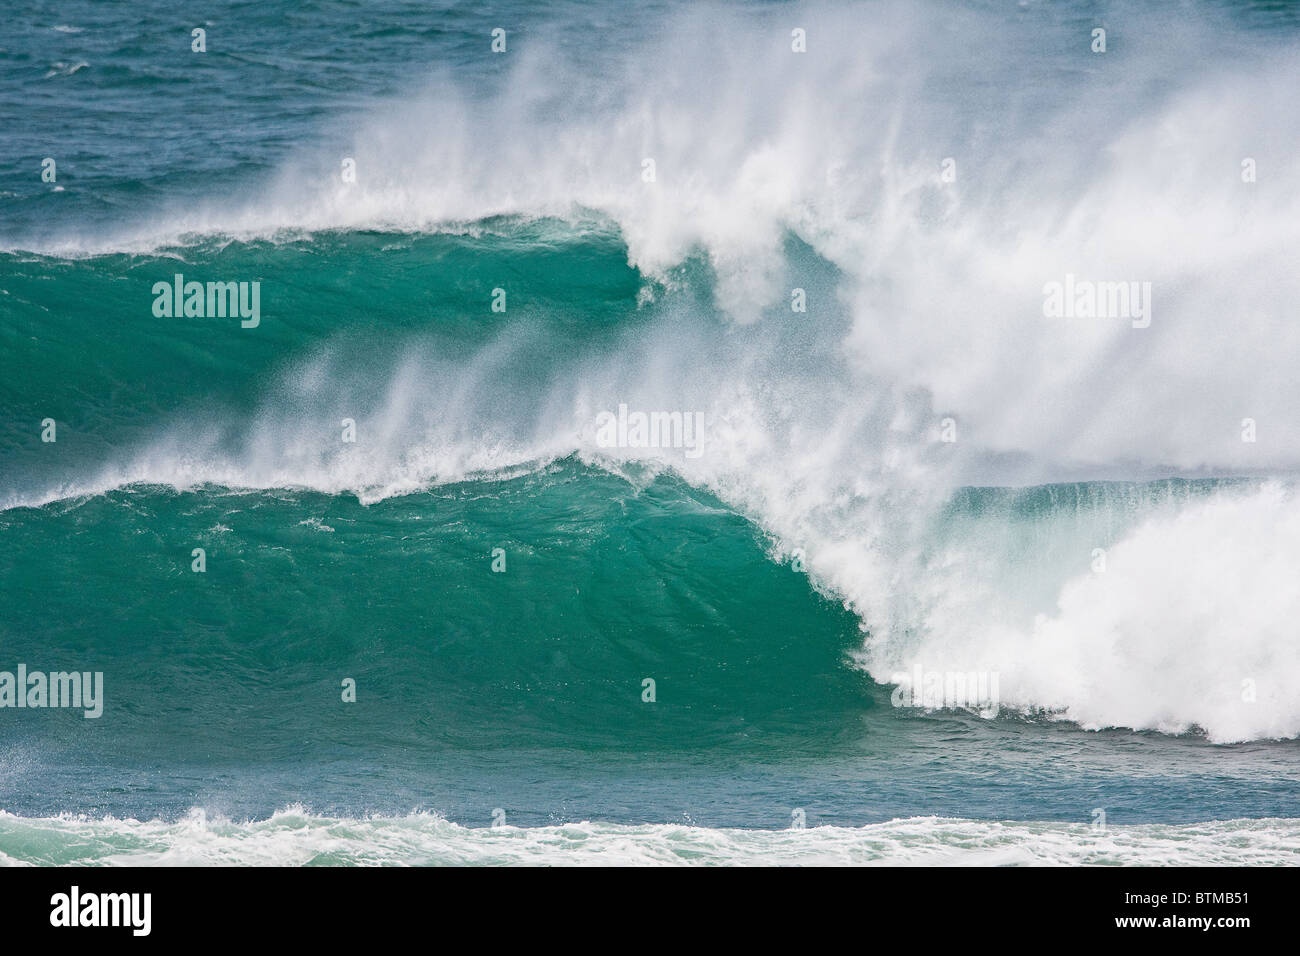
(842, 474)
(344, 313)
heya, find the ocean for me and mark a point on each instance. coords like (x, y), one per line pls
(561, 433)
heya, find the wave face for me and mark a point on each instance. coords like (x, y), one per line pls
(918, 472)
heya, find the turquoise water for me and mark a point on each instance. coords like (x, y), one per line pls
(394, 484)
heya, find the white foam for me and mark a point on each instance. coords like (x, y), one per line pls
(822, 427)
(1189, 623)
(295, 837)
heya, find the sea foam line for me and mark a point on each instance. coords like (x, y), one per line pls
(295, 837)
